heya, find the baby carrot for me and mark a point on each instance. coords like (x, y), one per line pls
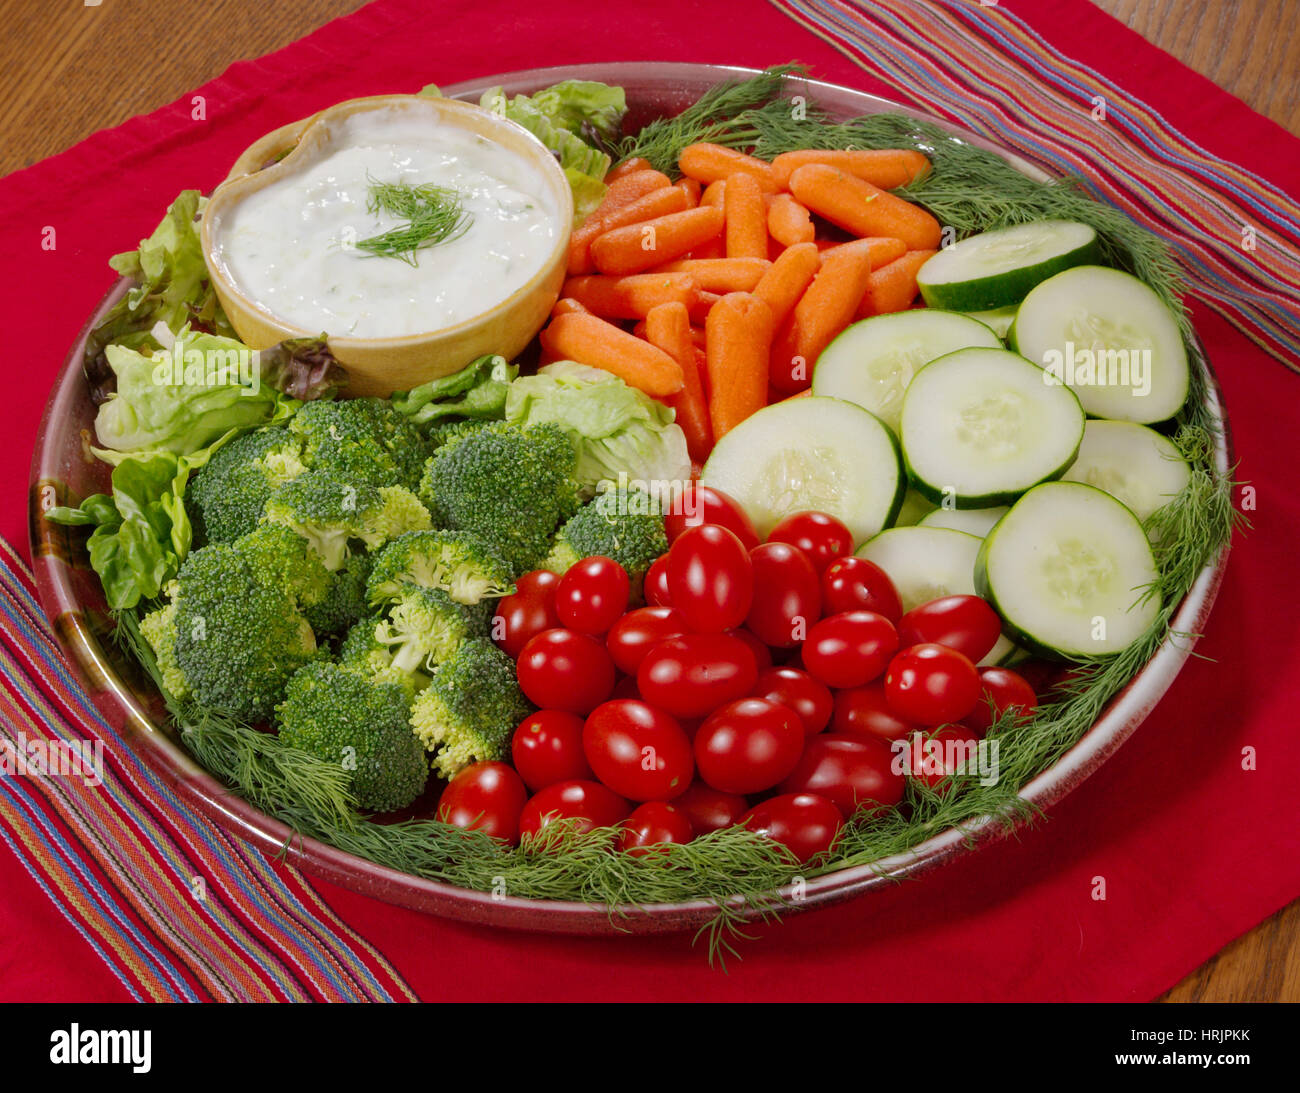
(788, 222)
(787, 278)
(881, 248)
(566, 306)
(861, 208)
(589, 339)
(893, 287)
(658, 202)
(637, 247)
(709, 249)
(721, 274)
(714, 193)
(668, 327)
(738, 341)
(636, 163)
(712, 162)
(692, 190)
(887, 168)
(746, 217)
(703, 305)
(630, 297)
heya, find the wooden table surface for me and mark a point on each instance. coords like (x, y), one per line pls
(71, 68)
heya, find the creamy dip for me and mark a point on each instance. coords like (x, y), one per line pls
(290, 246)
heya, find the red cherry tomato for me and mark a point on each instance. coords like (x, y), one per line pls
(710, 809)
(696, 673)
(565, 670)
(656, 583)
(653, 824)
(965, 623)
(625, 688)
(944, 752)
(547, 748)
(855, 584)
(823, 538)
(931, 684)
(527, 611)
(639, 631)
(849, 772)
(710, 578)
(590, 802)
(748, 746)
(697, 505)
(805, 823)
(762, 654)
(639, 751)
(787, 597)
(485, 797)
(851, 649)
(864, 712)
(1001, 689)
(592, 595)
(796, 690)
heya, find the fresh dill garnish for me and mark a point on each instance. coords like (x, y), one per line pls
(433, 215)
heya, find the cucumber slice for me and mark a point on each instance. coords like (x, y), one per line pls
(1132, 463)
(872, 362)
(913, 510)
(998, 320)
(997, 268)
(1065, 569)
(977, 522)
(811, 453)
(980, 426)
(1110, 338)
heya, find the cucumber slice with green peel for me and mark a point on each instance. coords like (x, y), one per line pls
(913, 510)
(981, 426)
(998, 320)
(872, 362)
(977, 522)
(1110, 338)
(1066, 569)
(996, 268)
(823, 454)
(1132, 463)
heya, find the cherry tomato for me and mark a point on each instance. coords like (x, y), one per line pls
(805, 823)
(944, 752)
(565, 670)
(762, 654)
(864, 712)
(851, 649)
(625, 688)
(855, 584)
(787, 597)
(931, 684)
(796, 690)
(748, 746)
(527, 611)
(965, 623)
(590, 802)
(653, 824)
(710, 578)
(592, 595)
(697, 505)
(849, 772)
(656, 583)
(1001, 689)
(696, 673)
(823, 538)
(639, 631)
(485, 797)
(639, 751)
(710, 809)
(547, 748)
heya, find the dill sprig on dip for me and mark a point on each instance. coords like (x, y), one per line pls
(433, 215)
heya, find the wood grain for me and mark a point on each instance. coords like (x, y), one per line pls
(68, 69)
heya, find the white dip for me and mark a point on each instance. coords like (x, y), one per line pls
(289, 246)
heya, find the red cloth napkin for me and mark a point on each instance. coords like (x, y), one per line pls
(1194, 849)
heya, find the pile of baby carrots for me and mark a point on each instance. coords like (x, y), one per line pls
(716, 294)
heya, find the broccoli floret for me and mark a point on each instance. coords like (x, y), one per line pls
(344, 601)
(511, 484)
(425, 626)
(362, 652)
(361, 440)
(329, 511)
(343, 717)
(470, 709)
(281, 558)
(624, 524)
(462, 564)
(230, 493)
(228, 638)
(441, 434)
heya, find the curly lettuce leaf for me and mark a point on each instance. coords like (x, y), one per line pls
(586, 108)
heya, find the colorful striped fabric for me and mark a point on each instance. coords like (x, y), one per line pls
(1236, 235)
(177, 908)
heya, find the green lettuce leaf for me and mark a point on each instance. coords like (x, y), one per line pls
(478, 390)
(586, 108)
